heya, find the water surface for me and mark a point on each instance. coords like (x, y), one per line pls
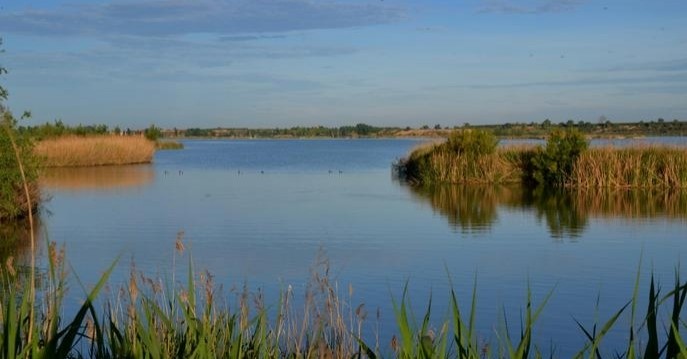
(260, 211)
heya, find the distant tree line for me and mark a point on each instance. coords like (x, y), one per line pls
(600, 128)
(58, 128)
(359, 130)
(603, 127)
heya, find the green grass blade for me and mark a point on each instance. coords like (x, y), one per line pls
(69, 335)
(651, 350)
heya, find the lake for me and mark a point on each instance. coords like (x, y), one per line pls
(260, 211)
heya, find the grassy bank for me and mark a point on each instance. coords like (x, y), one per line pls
(74, 151)
(565, 161)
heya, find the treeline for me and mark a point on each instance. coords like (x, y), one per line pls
(603, 127)
(359, 130)
(57, 128)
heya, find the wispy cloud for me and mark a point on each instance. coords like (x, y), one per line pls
(674, 65)
(180, 17)
(134, 57)
(679, 78)
(240, 38)
(529, 7)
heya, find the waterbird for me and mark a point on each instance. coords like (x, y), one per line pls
(262, 172)
(330, 171)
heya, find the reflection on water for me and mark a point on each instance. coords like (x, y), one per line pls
(15, 239)
(566, 212)
(563, 211)
(469, 208)
(97, 178)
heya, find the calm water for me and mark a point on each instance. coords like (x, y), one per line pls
(260, 211)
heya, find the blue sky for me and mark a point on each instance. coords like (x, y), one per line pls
(282, 63)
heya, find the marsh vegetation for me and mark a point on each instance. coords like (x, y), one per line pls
(75, 151)
(472, 157)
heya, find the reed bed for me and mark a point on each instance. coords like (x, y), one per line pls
(631, 167)
(634, 167)
(433, 164)
(74, 151)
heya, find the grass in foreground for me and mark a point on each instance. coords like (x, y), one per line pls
(76, 151)
(150, 318)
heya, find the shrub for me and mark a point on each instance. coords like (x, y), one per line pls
(13, 202)
(152, 133)
(472, 143)
(13, 146)
(553, 165)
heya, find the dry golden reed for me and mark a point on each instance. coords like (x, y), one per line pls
(76, 151)
(608, 167)
(436, 164)
(632, 167)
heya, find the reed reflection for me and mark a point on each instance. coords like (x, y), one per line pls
(15, 240)
(566, 213)
(467, 208)
(97, 178)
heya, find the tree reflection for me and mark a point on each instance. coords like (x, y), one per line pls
(565, 212)
(559, 209)
(468, 208)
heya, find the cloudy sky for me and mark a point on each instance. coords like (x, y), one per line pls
(282, 63)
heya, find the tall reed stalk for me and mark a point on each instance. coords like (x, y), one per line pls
(634, 167)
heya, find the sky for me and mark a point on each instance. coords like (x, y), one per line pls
(284, 63)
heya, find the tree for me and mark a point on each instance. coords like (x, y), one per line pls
(16, 154)
(152, 133)
(3, 92)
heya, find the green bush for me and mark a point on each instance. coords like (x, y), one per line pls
(553, 165)
(472, 142)
(13, 203)
(152, 133)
